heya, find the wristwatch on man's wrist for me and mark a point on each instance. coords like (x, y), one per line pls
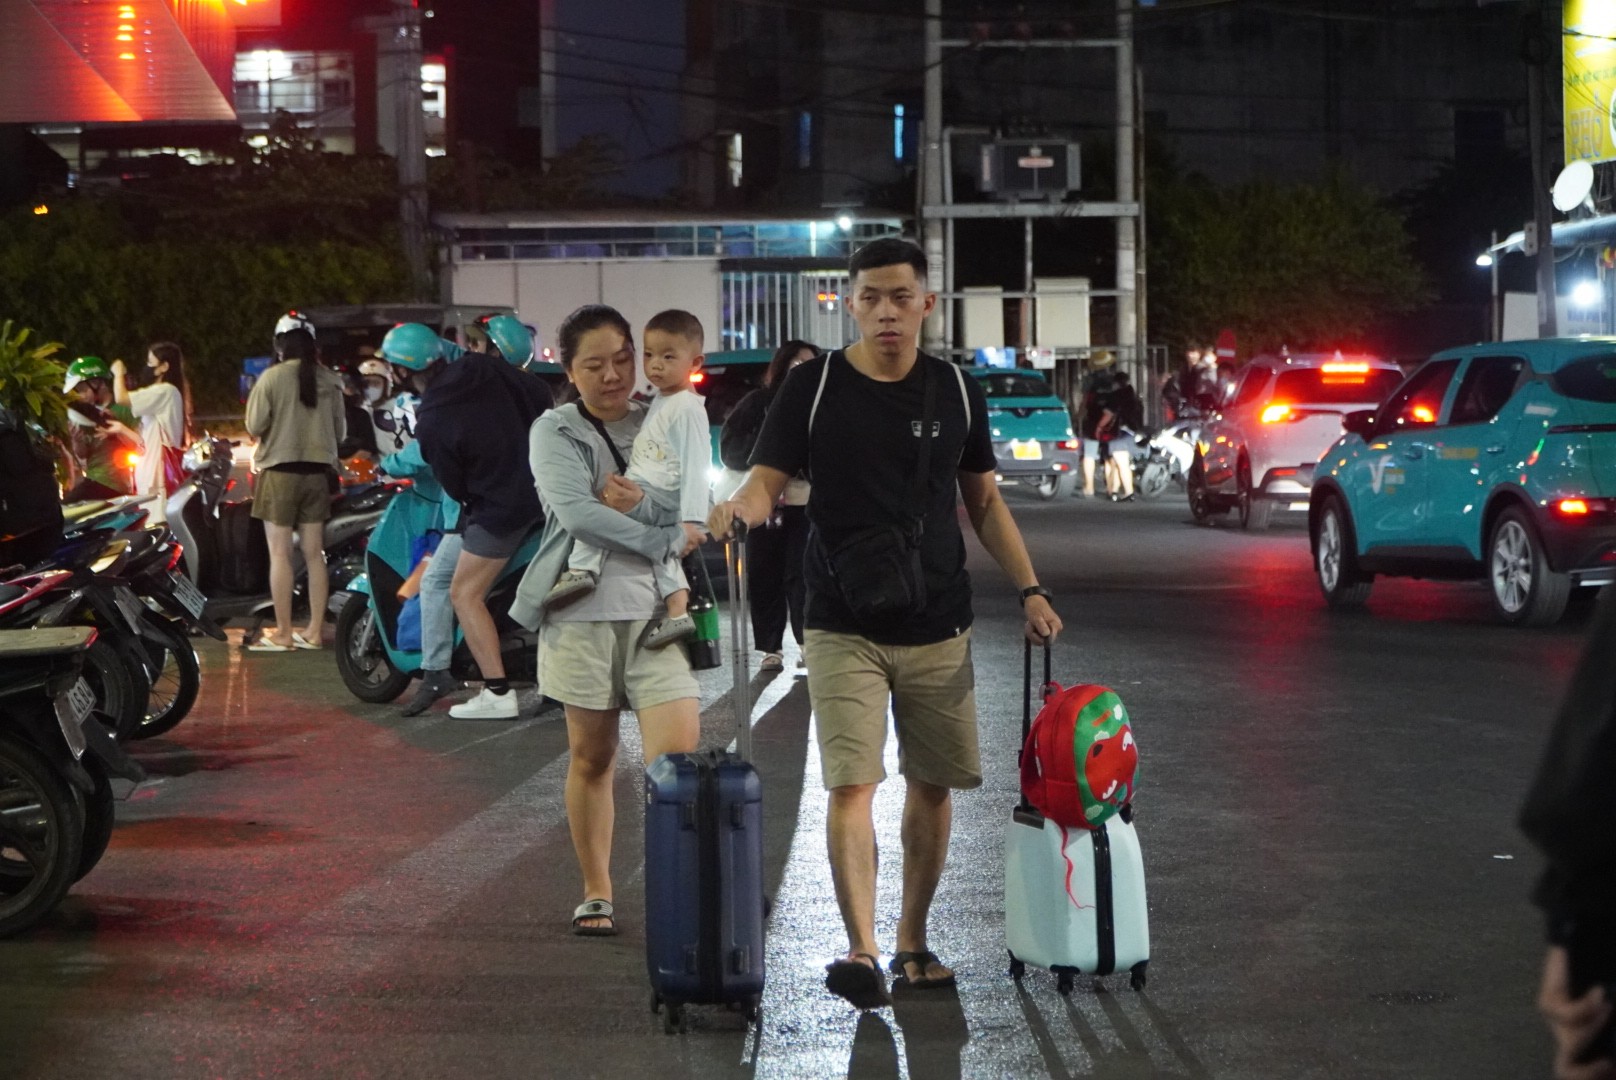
(1035, 590)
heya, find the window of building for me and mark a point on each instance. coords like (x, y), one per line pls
(805, 140)
(434, 91)
(733, 158)
(898, 133)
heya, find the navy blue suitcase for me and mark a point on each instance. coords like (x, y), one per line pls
(704, 906)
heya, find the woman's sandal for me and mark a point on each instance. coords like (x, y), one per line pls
(594, 909)
(861, 984)
(922, 960)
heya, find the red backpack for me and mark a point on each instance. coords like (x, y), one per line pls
(1086, 724)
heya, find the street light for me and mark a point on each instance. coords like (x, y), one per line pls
(1585, 294)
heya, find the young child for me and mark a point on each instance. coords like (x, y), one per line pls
(672, 454)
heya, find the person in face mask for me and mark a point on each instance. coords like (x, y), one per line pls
(395, 428)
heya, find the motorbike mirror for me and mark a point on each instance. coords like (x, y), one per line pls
(1360, 422)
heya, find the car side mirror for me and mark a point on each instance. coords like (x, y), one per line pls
(1360, 422)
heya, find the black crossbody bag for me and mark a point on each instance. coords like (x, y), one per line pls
(877, 570)
(600, 427)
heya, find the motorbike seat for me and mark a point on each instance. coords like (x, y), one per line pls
(45, 642)
(20, 592)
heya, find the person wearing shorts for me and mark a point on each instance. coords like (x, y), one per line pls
(591, 656)
(472, 427)
(295, 412)
(855, 419)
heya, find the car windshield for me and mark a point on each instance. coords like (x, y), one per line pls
(1014, 385)
(1592, 378)
(1346, 384)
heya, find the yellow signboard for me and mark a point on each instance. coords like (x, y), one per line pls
(1590, 80)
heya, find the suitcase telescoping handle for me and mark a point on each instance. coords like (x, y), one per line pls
(735, 566)
(1026, 678)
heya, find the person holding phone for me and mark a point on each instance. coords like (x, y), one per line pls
(1570, 814)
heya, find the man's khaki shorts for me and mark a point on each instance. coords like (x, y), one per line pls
(932, 691)
(290, 498)
(600, 665)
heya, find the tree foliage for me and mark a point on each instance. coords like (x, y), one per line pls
(208, 256)
(31, 379)
(1304, 265)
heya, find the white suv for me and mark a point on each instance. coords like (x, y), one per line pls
(1257, 452)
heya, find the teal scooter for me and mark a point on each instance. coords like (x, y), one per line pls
(373, 665)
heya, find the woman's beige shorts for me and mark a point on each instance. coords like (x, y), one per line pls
(600, 665)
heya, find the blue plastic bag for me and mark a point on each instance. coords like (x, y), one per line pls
(409, 625)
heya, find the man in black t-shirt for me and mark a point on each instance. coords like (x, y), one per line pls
(854, 420)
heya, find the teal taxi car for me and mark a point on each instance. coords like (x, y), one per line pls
(1493, 462)
(1033, 440)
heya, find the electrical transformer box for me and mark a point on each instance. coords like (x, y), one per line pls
(1016, 169)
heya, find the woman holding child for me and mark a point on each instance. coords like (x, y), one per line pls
(592, 656)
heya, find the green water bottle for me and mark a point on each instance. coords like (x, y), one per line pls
(704, 648)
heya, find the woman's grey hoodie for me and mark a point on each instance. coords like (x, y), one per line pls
(570, 463)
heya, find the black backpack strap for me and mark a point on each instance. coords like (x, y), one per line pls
(600, 427)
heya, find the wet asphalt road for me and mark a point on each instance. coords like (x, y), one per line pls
(310, 886)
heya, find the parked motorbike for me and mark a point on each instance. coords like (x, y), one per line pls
(56, 800)
(1163, 458)
(373, 665)
(226, 554)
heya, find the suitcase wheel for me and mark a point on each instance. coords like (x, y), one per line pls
(1063, 983)
(1018, 968)
(673, 1018)
(1137, 978)
(656, 1003)
(752, 1008)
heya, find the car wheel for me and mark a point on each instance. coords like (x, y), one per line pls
(1059, 486)
(1254, 509)
(1203, 506)
(1335, 558)
(1525, 591)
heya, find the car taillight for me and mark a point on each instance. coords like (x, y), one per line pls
(1576, 507)
(1423, 415)
(1275, 414)
(1070, 444)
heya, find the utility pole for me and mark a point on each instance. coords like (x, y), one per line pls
(1538, 56)
(931, 171)
(401, 129)
(1127, 282)
(547, 81)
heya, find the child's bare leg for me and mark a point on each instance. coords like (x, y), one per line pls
(678, 603)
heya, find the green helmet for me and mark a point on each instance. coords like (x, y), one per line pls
(413, 346)
(84, 369)
(513, 340)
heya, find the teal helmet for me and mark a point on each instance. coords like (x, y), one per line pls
(413, 346)
(513, 340)
(84, 369)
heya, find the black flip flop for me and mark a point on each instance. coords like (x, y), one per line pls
(922, 960)
(594, 909)
(861, 984)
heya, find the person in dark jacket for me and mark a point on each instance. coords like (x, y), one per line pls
(774, 551)
(1570, 814)
(473, 430)
(30, 501)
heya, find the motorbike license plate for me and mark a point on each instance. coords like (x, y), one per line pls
(71, 710)
(130, 605)
(1030, 450)
(189, 596)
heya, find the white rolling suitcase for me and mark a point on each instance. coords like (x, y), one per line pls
(1074, 899)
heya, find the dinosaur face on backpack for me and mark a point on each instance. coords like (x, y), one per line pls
(1102, 740)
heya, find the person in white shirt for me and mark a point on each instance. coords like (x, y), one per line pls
(160, 406)
(671, 456)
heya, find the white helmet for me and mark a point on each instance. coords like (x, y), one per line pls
(380, 369)
(293, 320)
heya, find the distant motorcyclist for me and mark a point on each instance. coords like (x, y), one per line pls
(100, 437)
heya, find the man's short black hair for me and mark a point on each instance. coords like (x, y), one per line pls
(888, 251)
